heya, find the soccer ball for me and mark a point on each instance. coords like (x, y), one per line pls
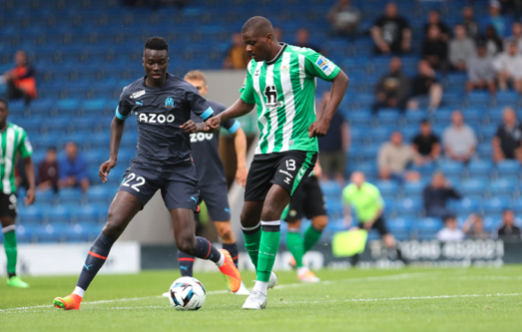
(187, 293)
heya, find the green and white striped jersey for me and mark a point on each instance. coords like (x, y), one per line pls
(13, 140)
(284, 93)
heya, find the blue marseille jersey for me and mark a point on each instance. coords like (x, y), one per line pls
(160, 112)
(205, 149)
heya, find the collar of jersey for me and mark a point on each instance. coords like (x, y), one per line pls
(278, 54)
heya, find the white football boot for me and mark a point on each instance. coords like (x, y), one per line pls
(255, 301)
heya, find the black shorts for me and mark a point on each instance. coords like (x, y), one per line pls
(286, 169)
(178, 184)
(379, 225)
(307, 201)
(215, 197)
(8, 205)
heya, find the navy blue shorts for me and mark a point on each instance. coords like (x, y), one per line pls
(178, 184)
(215, 197)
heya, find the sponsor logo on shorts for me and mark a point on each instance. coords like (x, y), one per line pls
(288, 180)
(286, 173)
(137, 94)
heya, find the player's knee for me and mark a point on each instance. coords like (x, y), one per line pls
(320, 223)
(113, 229)
(249, 219)
(294, 224)
(225, 233)
(271, 213)
(186, 243)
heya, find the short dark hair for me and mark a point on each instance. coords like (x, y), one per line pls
(51, 149)
(2, 100)
(425, 122)
(156, 43)
(259, 24)
(449, 216)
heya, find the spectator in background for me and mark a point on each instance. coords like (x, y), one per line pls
(451, 231)
(496, 19)
(459, 139)
(434, 19)
(437, 194)
(508, 230)
(278, 32)
(461, 49)
(469, 23)
(237, 56)
(391, 32)
(393, 88)
(344, 18)
(394, 158)
(435, 49)
(48, 175)
(516, 37)
(508, 67)
(302, 39)
(426, 84)
(21, 83)
(481, 74)
(73, 169)
(334, 144)
(493, 41)
(426, 143)
(474, 228)
(507, 143)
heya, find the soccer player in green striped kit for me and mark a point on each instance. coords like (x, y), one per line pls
(13, 141)
(280, 83)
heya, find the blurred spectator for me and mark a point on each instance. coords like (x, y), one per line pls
(73, 169)
(459, 139)
(278, 32)
(516, 37)
(481, 74)
(512, 7)
(21, 83)
(48, 175)
(237, 56)
(426, 84)
(434, 19)
(394, 157)
(474, 228)
(493, 41)
(393, 88)
(344, 18)
(461, 49)
(437, 194)
(302, 39)
(508, 230)
(426, 143)
(469, 23)
(496, 19)
(507, 143)
(451, 231)
(508, 66)
(391, 32)
(435, 49)
(334, 144)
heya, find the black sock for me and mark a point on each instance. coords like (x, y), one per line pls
(205, 250)
(400, 257)
(10, 275)
(355, 259)
(95, 260)
(186, 263)
(232, 249)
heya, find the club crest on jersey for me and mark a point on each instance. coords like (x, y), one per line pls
(285, 69)
(325, 65)
(137, 94)
(169, 102)
(271, 97)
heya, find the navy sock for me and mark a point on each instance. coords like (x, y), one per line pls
(186, 263)
(95, 260)
(205, 250)
(232, 249)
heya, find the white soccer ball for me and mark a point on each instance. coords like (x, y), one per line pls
(187, 293)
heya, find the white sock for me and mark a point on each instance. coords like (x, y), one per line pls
(78, 291)
(261, 286)
(221, 260)
(301, 270)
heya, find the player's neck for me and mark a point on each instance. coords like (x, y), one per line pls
(274, 52)
(3, 126)
(152, 84)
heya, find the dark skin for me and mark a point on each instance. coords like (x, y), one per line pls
(29, 169)
(265, 47)
(125, 205)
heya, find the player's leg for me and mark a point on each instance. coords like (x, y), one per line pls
(388, 238)
(314, 208)
(186, 261)
(292, 215)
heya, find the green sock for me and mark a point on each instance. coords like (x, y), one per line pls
(10, 251)
(295, 244)
(252, 241)
(311, 237)
(270, 238)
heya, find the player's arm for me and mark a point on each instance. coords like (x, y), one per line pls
(240, 143)
(26, 151)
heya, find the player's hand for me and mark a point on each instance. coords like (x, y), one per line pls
(319, 128)
(189, 127)
(29, 196)
(105, 168)
(318, 171)
(213, 123)
(241, 175)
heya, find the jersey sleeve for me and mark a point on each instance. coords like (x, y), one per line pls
(347, 195)
(317, 65)
(379, 202)
(231, 125)
(247, 90)
(25, 148)
(198, 104)
(124, 108)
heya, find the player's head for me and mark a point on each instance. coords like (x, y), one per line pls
(4, 110)
(20, 58)
(450, 221)
(198, 80)
(259, 37)
(156, 59)
(71, 150)
(358, 178)
(50, 155)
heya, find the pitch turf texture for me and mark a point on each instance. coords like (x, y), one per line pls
(475, 299)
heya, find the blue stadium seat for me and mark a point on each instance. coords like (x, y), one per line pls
(503, 186)
(76, 233)
(388, 187)
(100, 194)
(427, 228)
(508, 168)
(400, 227)
(480, 167)
(473, 187)
(48, 234)
(414, 188)
(45, 197)
(30, 215)
(451, 168)
(410, 206)
(495, 205)
(465, 205)
(88, 214)
(331, 188)
(57, 214)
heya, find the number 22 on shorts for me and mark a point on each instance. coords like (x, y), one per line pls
(140, 181)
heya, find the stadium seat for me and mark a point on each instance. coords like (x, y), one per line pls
(57, 214)
(451, 168)
(30, 215)
(465, 205)
(495, 205)
(473, 187)
(480, 167)
(427, 228)
(503, 186)
(509, 168)
(388, 187)
(70, 195)
(400, 227)
(409, 206)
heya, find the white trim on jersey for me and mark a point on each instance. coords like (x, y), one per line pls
(8, 160)
(269, 80)
(302, 72)
(288, 94)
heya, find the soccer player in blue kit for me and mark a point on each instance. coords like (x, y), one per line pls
(163, 105)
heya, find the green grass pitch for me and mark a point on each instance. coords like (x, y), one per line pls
(475, 299)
